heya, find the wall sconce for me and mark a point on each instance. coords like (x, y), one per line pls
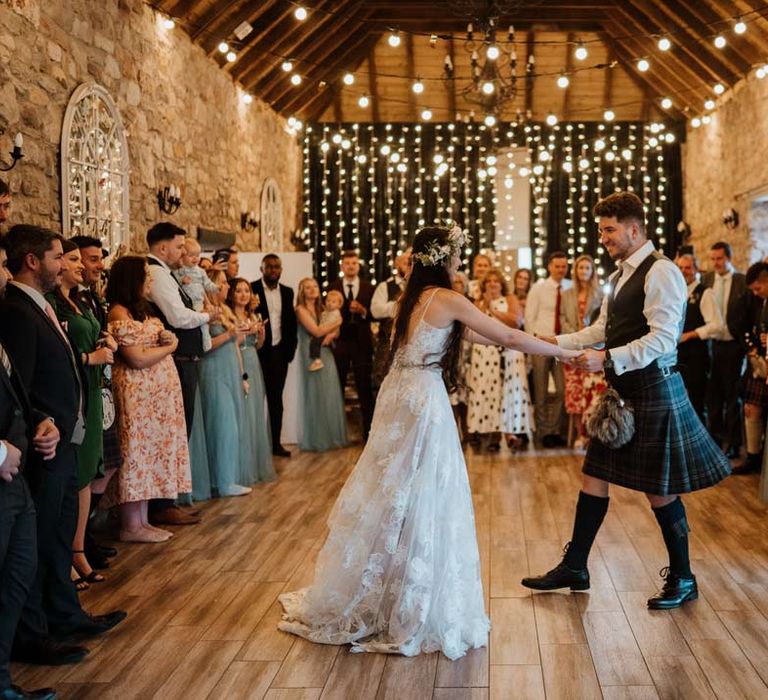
(169, 199)
(16, 153)
(731, 218)
(248, 221)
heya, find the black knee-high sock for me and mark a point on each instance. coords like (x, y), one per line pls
(674, 528)
(590, 511)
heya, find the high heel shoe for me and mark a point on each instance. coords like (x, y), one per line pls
(91, 577)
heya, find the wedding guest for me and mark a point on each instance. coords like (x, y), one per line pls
(459, 397)
(50, 372)
(334, 301)
(20, 430)
(195, 283)
(276, 306)
(543, 318)
(320, 397)
(223, 386)
(226, 259)
(258, 464)
(205, 264)
(480, 265)
(579, 304)
(522, 285)
(155, 456)
(354, 347)
(84, 333)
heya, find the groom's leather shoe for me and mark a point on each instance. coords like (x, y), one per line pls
(280, 451)
(560, 577)
(675, 591)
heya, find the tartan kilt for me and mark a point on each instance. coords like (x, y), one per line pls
(671, 452)
(112, 457)
(756, 392)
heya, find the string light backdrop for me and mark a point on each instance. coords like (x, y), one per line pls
(370, 187)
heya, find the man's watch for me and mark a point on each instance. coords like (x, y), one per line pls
(608, 361)
(245, 376)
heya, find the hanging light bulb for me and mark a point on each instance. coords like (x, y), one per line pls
(584, 163)
(609, 115)
(581, 52)
(300, 13)
(488, 87)
(363, 101)
(626, 154)
(169, 23)
(287, 66)
(493, 52)
(394, 40)
(489, 120)
(223, 47)
(720, 41)
(247, 98)
(664, 44)
(740, 27)
(669, 137)
(695, 122)
(666, 103)
(719, 89)
(348, 78)
(563, 81)
(551, 119)
(418, 87)
(231, 56)
(709, 104)
(296, 79)
(426, 115)
(706, 119)
(761, 72)
(643, 65)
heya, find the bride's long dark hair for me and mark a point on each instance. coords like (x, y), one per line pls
(421, 277)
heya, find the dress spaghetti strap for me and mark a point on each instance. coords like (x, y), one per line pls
(426, 306)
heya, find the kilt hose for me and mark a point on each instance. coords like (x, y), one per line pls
(671, 452)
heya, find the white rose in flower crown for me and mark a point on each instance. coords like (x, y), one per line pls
(435, 254)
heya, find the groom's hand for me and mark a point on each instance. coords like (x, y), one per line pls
(591, 360)
(548, 339)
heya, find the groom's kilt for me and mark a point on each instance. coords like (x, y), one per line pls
(671, 452)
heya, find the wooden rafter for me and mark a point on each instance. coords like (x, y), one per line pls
(373, 81)
(452, 79)
(411, 68)
(530, 49)
(568, 62)
(214, 28)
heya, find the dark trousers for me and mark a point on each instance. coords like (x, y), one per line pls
(52, 601)
(693, 361)
(724, 397)
(350, 355)
(275, 368)
(18, 562)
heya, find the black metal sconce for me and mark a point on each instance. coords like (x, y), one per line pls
(169, 199)
(248, 221)
(15, 154)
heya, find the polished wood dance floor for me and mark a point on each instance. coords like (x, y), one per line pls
(203, 610)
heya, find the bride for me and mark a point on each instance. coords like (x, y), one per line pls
(400, 570)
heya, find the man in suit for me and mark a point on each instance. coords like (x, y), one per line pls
(18, 537)
(276, 307)
(728, 351)
(51, 374)
(354, 347)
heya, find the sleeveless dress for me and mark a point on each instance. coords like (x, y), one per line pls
(400, 570)
(324, 423)
(257, 464)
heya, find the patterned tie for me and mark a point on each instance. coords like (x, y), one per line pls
(558, 300)
(51, 314)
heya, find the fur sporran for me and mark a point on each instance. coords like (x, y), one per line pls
(611, 420)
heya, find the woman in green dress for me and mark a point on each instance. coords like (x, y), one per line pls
(94, 352)
(257, 465)
(320, 399)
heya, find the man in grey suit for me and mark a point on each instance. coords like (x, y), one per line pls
(728, 352)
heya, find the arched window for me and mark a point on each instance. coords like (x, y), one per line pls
(94, 168)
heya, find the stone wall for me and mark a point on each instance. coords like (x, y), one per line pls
(726, 166)
(184, 116)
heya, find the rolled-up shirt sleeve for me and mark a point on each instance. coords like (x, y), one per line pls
(589, 336)
(713, 319)
(381, 306)
(164, 293)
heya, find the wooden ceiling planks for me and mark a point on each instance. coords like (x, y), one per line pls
(343, 35)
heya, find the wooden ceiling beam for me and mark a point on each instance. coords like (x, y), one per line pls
(411, 68)
(373, 82)
(216, 26)
(568, 61)
(530, 50)
(756, 35)
(180, 8)
(452, 79)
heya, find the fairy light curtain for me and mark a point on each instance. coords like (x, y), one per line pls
(370, 187)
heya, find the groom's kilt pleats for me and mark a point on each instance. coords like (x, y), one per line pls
(671, 451)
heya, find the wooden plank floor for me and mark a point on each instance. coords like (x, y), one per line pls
(203, 610)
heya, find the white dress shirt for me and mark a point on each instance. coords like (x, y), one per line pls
(381, 306)
(721, 291)
(164, 293)
(275, 310)
(540, 306)
(713, 320)
(664, 307)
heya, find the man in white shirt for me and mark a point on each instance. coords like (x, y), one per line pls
(724, 399)
(543, 318)
(703, 322)
(669, 451)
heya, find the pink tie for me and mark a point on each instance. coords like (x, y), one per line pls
(50, 313)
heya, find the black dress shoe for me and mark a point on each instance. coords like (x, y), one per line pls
(753, 464)
(546, 441)
(91, 625)
(280, 451)
(676, 591)
(16, 693)
(46, 652)
(561, 576)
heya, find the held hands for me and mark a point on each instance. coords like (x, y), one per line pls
(591, 360)
(46, 438)
(166, 337)
(108, 341)
(101, 356)
(10, 466)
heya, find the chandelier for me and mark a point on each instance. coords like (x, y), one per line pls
(495, 74)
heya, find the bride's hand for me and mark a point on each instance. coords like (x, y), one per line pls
(569, 357)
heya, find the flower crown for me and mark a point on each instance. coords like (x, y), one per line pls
(435, 253)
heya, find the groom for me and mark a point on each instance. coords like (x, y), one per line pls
(670, 453)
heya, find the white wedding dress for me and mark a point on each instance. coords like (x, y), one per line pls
(400, 570)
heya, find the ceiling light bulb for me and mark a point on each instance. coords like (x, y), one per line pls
(296, 79)
(664, 44)
(363, 101)
(247, 98)
(669, 137)
(300, 13)
(418, 87)
(168, 23)
(563, 81)
(706, 119)
(231, 56)
(394, 40)
(643, 65)
(493, 52)
(709, 104)
(719, 89)
(740, 27)
(610, 155)
(426, 115)
(581, 52)
(609, 115)
(720, 41)
(626, 154)
(223, 47)
(348, 78)
(287, 66)
(666, 103)
(761, 72)
(551, 119)
(695, 122)
(489, 120)
(488, 87)
(583, 163)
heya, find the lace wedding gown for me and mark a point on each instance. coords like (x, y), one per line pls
(400, 570)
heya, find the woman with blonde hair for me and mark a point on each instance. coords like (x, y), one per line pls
(578, 305)
(322, 403)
